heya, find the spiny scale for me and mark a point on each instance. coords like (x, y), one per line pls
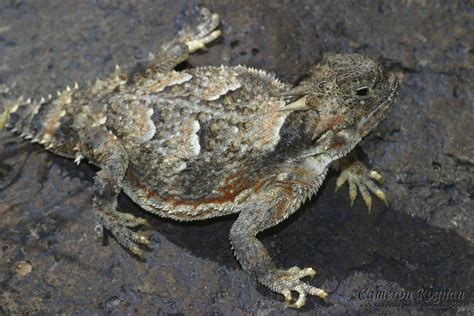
(37, 120)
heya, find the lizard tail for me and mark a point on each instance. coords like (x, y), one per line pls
(6, 107)
(40, 120)
(16, 113)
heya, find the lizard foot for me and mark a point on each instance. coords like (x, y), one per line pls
(119, 225)
(197, 36)
(284, 282)
(359, 177)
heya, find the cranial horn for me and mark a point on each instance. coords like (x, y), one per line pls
(298, 105)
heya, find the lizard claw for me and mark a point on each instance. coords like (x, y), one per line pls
(284, 282)
(119, 225)
(360, 179)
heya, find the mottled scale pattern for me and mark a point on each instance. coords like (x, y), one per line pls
(210, 121)
(206, 119)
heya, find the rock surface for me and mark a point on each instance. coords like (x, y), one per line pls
(51, 262)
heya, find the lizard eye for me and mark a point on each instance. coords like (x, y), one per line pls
(362, 91)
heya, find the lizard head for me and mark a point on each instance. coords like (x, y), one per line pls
(350, 93)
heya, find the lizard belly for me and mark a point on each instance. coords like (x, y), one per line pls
(173, 207)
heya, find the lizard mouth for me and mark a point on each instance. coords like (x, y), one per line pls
(380, 111)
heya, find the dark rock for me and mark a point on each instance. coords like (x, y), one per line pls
(424, 149)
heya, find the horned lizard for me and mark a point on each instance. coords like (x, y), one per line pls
(210, 141)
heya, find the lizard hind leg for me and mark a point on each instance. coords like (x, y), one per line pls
(271, 208)
(198, 34)
(193, 37)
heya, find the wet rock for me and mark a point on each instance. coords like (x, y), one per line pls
(424, 149)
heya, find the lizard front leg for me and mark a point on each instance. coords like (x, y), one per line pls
(274, 205)
(111, 157)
